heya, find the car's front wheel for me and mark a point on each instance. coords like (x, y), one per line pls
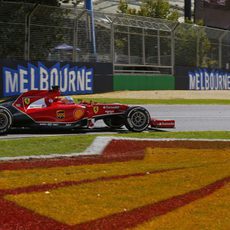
(137, 119)
(5, 120)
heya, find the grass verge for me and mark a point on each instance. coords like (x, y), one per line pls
(44, 145)
(74, 144)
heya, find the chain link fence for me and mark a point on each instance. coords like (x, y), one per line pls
(133, 44)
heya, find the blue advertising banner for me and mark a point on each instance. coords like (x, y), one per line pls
(72, 78)
(205, 79)
(188, 78)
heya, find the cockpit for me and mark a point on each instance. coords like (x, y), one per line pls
(45, 102)
(38, 104)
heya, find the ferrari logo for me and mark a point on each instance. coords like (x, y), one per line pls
(95, 109)
(27, 101)
(60, 114)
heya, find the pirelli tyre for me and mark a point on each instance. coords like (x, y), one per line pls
(114, 122)
(5, 120)
(137, 119)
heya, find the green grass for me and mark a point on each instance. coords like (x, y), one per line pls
(44, 145)
(71, 144)
(162, 101)
(195, 135)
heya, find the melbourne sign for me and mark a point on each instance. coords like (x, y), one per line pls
(71, 79)
(204, 79)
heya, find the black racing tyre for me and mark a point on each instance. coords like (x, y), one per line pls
(137, 119)
(114, 122)
(5, 120)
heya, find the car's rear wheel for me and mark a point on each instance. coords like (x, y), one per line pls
(114, 122)
(5, 120)
(137, 119)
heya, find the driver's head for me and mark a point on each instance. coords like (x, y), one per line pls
(67, 100)
(64, 100)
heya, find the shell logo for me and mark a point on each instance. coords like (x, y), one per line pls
(78, 113)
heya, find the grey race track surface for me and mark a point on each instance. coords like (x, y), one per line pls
(187, 117)
(194, 117)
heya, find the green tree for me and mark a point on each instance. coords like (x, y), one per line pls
(150, 8)
(192, 46)
(123, 7)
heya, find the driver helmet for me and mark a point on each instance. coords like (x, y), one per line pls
(67, 100)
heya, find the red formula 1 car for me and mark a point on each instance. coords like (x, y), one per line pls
(37, 108)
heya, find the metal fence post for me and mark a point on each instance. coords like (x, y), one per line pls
(220, 49)
(198, 49)
(112, 44)
(74, 59)
(27, 32)
(158, 48)
(129, 58)
(172, 52)
(173, 47)
(143, 46)
(220, 52)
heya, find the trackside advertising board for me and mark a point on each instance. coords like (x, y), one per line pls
(17, 77)
(202, 79)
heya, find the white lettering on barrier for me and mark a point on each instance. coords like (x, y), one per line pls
(23, 79)
(32, 78)
(11, 82)
(204, 80)
(71, 80)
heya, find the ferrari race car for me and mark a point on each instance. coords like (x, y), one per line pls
(39, 108)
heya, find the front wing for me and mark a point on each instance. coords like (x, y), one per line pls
(167, 124)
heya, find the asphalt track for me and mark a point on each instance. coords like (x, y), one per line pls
(195, 117)
(187, 117)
